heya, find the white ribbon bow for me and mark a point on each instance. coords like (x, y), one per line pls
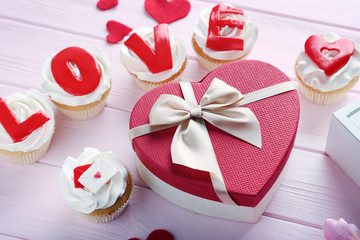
(191, 145)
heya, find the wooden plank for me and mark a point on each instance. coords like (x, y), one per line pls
(308, 186)
(322, 11)
(315, 188)
(272, 46)
(47, 216)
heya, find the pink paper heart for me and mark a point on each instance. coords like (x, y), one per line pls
(117, 31)
(165, 11)
(106, 4)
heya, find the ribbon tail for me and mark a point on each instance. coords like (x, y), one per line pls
(220, 188)
(192, 147)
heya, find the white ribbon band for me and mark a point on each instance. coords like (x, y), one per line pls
(191, 145)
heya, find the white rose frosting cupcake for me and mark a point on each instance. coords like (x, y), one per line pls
(81, 65)
(328, 68)
(96, 184)
(233, 42)
(26, 127)
(153, 63)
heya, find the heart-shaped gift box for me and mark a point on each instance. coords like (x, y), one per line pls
(251, 174)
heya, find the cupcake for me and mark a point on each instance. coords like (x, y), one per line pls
(153, 56)
(96, 184)
(328, 68)
(78, 81)
(223, 34)
(26, 127)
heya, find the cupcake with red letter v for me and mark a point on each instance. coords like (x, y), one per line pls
(153, 56)
(223, 34)
(78, 81)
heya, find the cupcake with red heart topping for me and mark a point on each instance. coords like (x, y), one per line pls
(154, 56)
(328, 68)
(96, 184)
(26, 127)
(223, 34)
(78, 81)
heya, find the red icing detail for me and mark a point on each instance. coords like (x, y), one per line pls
(65, 77)
(117, 31)
(106, 4)
(314, 46)
(157, 61)
(159, 234)
(165, 11)
(217, 42)
(97, 175)
(249, 172)
(78, 171)
(19, 131)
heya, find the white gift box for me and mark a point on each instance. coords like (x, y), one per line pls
(343, 142)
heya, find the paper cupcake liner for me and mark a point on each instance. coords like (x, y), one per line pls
(83, 114)
(25, 158)
(147, 86)
(208, 62)
(109, 217)
(325, 98)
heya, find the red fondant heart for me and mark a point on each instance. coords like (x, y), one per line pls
(248, 172)
(159, 234)
(315, 45)
(166, 11)
(117, 31)
(106, 4)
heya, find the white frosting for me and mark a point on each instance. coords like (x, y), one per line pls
(83, 200)
(23, 106)
(315, 77)
(52, 88)
(248, 33)
(136, 66)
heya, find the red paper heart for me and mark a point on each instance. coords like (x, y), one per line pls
(159, 234)
(314, 46)
(248, 172)
(117, 31)
(19, 131)
(106, 4)
(165, 11)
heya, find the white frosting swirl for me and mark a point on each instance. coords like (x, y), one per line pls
(23, 106)
(136, 66)
(83, 200)
(52, 88)
(315, 77)
(248, 33)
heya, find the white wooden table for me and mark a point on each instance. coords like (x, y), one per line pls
(31, 204)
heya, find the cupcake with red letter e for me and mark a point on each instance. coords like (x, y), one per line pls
(26, 127)
(78, 81)
(153, 56)
(223, 34)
